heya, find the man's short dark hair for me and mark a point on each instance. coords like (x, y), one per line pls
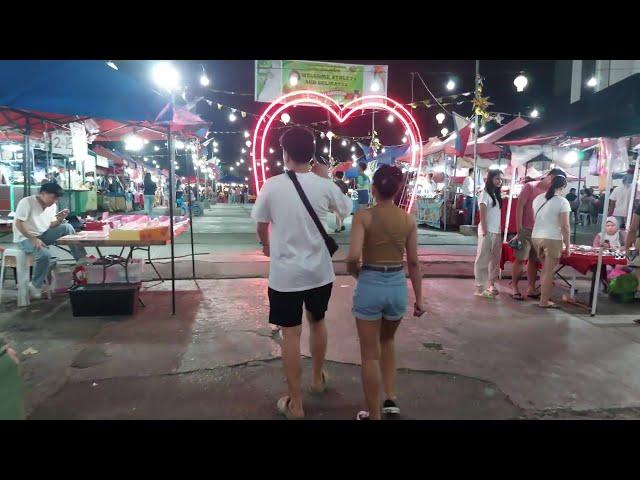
(340, 175)
(52, 187)
(470, 170)
(299, 143)
(572, 190)
(363, 166)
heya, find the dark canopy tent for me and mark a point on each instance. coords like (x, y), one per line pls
(91, 89)
(613, 112)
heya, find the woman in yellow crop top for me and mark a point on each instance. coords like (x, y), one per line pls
(381, 235)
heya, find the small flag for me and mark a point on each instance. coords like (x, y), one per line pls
(462, 128)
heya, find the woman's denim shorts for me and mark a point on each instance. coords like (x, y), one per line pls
(380, 295)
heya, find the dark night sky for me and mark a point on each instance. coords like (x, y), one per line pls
(238, 76)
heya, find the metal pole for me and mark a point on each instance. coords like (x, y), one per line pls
(475, 151)
(193, 260)
(514, 171)
(26, 188)
(575, 220)
(172, 201)
(632, 200)
(594, 300)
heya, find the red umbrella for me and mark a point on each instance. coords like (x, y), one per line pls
(342, 167)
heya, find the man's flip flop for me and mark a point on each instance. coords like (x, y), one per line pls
(283, 408)
(534, 296)
(319, 391)
(517, 296)
(551, 305)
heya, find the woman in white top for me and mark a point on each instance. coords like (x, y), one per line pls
(489, 244)
(550, 230)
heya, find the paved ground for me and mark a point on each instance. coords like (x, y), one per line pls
(469, 358)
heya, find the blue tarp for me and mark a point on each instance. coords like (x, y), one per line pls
(388, 157)
(77, 87)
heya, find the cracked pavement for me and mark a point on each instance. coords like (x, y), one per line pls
(218, 358)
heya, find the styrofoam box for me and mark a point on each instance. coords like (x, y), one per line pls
(115, 273)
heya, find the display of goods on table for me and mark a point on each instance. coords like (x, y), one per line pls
(140, 228)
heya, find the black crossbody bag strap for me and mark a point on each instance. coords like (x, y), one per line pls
(331, 244)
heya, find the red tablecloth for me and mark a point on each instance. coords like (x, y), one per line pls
(583, 262)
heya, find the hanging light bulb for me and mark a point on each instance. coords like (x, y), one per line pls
(248, 143)
(444, 131)
(440, 117)
(286, 118)
(232, 117)
(294, 78)
(404, 139)
(353, 148)
(325, 150)
(520, 82)
(390, 118)
(156, 148)
(242, 160)
(483, 129)
(534, 113)
(204, 80)
(330, 135)
(592, 82)
(344, 143)
(451, 85)
(215, 144)
(133, 142)
(243, 150)
(271, 150)
(278, 163)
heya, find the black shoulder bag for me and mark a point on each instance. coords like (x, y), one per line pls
(331, 244)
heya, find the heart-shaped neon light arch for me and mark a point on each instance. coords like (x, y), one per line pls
(341, 114)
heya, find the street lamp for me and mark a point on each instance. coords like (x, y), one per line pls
(520, 82)
(166, 76)
(592, 82)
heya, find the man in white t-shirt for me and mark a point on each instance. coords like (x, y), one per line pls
(301, 270)
(37, 225)
(619, 201)
(468, 187)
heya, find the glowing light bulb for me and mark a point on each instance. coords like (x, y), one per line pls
(204, 80)
(390, 118)
(156, 148)
(344, 143)
(451, 85)
(592, 82)
(353, 149)
(520, 82)
(325, 150)
(483, 129)
(271, 150)
(440, 117)
(232, 117)
(286, 118)
(248, 143)
(534, 113)
(444, 131)
(294, 78)
(404, 139)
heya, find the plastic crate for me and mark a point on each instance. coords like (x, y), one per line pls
(116, 273)
(103, 300)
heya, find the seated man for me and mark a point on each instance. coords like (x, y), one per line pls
(36, 226)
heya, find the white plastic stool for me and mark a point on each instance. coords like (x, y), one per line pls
(22, 274)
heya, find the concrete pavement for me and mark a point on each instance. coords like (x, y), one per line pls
(467, 358)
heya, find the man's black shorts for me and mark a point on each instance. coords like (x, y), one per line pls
(285, 308)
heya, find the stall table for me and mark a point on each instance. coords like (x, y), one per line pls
(132, 245)
(581, 261)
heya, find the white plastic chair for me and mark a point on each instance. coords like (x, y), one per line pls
(22, 275)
